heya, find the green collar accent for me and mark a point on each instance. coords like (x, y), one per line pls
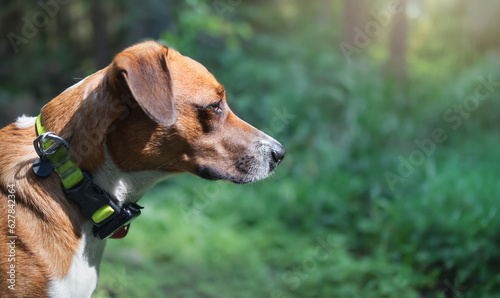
(95, 204)
(61, 161)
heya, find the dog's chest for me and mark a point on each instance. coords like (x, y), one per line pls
(82, 276)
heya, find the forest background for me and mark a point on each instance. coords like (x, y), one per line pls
(387, 109)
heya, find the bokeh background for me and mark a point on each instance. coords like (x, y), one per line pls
(387, 109)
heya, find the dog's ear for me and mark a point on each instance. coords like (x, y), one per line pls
(147, 79)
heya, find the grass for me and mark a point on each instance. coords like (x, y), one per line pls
(328, 224)
(265, 240)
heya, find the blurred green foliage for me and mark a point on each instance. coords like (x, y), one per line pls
(329, 223)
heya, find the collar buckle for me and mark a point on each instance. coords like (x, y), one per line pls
(95, 204)
(47, 144)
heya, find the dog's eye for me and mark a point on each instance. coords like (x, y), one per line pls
(216, 107)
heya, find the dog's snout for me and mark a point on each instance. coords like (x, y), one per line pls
(277, 152)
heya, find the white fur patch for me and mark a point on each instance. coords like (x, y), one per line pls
(125, 187)
(81, 279)
(24, 122)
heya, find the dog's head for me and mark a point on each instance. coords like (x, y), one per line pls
(179, 120)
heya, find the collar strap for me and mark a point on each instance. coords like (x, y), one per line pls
(57, 152)
(94, 203)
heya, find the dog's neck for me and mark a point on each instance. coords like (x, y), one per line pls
(82, 115)
(88, 138)
(125, 187)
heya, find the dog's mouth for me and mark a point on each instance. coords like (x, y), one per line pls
(213, 174)
(247, 168)
(209, 173)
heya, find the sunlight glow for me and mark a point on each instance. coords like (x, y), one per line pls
(413, 9)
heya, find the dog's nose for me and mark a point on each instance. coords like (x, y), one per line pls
(277, 152)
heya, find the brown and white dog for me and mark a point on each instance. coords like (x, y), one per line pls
(151, 113)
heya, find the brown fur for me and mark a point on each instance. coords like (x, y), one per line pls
(46, 223)
(154, 109)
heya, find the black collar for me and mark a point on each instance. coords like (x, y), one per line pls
(94, 203)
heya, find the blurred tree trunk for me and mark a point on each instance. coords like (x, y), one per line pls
(354, 15)
(480, 24)
(396, 65)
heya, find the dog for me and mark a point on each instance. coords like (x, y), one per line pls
(151, 113)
